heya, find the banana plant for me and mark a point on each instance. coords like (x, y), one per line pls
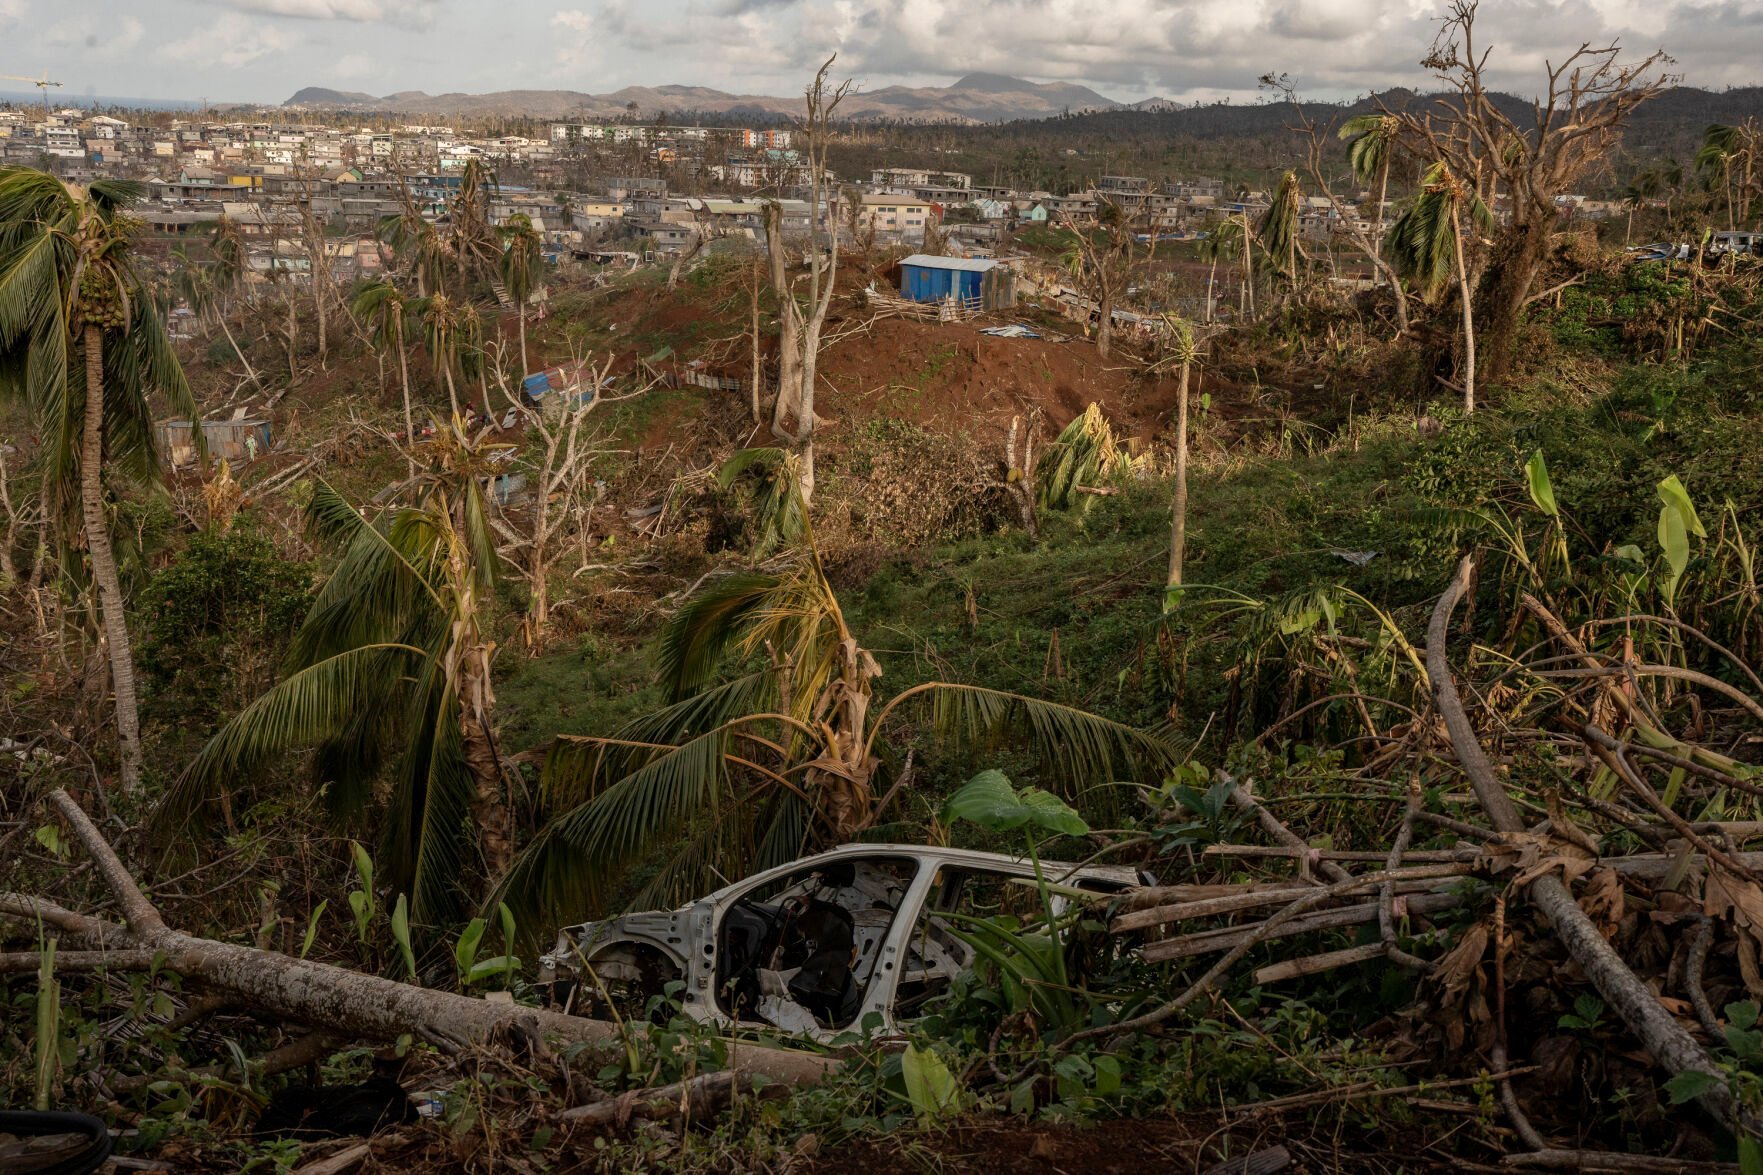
(1031, 966)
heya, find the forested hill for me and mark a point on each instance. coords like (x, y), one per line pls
(1232, 141)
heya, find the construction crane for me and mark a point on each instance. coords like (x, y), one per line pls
(43, 83)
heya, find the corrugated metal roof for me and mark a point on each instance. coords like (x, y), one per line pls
(965, 264)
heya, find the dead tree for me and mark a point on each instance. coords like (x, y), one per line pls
(800, 324)
(753, 280)
(1019, 470)
(560, 478)
(703, 232)
(1103, 265)
(1576, 122)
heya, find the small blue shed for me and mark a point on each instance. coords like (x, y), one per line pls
(924, 278)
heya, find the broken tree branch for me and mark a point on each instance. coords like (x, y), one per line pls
(1621, 988)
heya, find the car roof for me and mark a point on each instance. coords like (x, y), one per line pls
(937, 855)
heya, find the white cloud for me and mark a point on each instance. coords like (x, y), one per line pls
(11, 13)
(409, 13)
(1129, 48)
(94, 39)
(231, 42)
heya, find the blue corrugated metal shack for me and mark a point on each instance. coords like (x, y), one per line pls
(924, 278)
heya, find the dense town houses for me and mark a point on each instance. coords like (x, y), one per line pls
(592, 189)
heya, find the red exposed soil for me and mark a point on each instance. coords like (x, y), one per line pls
(951, 378)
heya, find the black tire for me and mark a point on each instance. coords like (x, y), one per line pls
(32, 1124)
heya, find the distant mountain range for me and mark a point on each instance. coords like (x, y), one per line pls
(976, 98)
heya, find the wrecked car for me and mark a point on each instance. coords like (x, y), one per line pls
(861, 936)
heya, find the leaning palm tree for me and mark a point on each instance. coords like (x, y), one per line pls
(774, 741)
(1726, 148)
(382, 305)
(394, 654)
(522, 259)
(85, 341)
(1427, 243)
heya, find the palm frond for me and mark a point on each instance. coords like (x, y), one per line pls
(1084, 453)
(771, 481)
(696, 639)
(1076, 747)
(427, 841)
(303, 709)
(566, 866)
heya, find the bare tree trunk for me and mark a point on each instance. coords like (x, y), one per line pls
(1248, 264)
(757, 377)
(1468, 317)
(489, 804)
(452, 391)
(520, 312)
(103, 558)
(331, 998)
(1178, 524)
(409, 420)
(8, 568)
(237, 350)
(1625, 993)
(541, 604)
(789, 324)
(1104, 321)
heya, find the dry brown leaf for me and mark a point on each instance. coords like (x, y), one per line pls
(1749, 966)
(1734, 899)
(1533, 854)
(1604, 902)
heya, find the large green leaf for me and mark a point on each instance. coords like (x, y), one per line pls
(1542, 490)
(989, 800)
(932, 1089)
(1672, 493)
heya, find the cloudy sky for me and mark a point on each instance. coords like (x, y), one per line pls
(264, 50)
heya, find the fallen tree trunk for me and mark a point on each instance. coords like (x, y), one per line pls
(1224, 938)
(333, 998)
(1672, 1047)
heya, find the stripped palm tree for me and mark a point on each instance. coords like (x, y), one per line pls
(522, 262)
(394, 654)
(1220, 243)
(417, 247)
(445, 334)
(773, 743)
(383, 306)
(1278, 229)
(1371, 146)
(1641, 189)
(1427, 246)
(471, 238)
(85, 342)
